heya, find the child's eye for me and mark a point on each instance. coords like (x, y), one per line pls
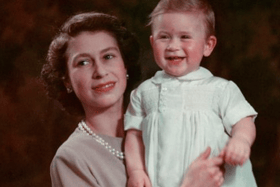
(163, 36)
(185, 37)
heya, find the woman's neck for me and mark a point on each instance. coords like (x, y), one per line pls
(107, 121)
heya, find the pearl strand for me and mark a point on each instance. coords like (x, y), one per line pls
(83, 127)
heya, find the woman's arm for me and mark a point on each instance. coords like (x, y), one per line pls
(204, 172)
(134, 153)
(67, 170)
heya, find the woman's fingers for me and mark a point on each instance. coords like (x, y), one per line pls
(221, 181)
(205, 154)
(205, 171)
(218, 176)
(216, 161)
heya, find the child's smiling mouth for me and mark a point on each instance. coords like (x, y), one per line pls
(175, 60)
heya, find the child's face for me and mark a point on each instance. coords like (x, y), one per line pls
(179, 42)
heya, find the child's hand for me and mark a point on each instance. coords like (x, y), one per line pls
(138, 178)
(236, 152)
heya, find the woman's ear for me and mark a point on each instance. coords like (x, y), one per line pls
(67, 84)
(151, 40)
(210, 45)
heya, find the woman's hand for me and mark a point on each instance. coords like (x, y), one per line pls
(204, 172)
(138, 178)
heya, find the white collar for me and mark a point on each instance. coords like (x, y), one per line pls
(201, 73)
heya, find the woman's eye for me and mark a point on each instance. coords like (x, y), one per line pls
(107, 57)
(83, 62)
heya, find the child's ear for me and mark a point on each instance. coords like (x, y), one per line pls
(151, 40)
(210, 45)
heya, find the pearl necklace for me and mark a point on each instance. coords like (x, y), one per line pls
(83, 127)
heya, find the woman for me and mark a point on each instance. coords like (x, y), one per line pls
(88, 65)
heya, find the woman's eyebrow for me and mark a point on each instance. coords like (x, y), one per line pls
(80, 55)
(109, 49)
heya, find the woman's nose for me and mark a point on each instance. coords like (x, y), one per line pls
(99, 71)
(173, 45)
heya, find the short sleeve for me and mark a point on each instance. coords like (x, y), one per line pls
(234, 106)
(68, 169)
(135, 113)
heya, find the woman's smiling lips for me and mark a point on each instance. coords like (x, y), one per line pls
(104, 87)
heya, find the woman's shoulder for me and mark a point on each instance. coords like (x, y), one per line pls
(83, 151)
(72, 146)
(81, 145)
(69, 156)
(81, 155)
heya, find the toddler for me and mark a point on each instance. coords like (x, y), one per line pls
(183, 109)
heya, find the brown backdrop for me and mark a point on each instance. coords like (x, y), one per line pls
(32, 127)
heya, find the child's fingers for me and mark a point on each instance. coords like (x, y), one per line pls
(147, 182)
(244, 158)
(236, 156)
(139, 185)
(222, 153)
(136, 184)
(231, 155)
(147, 185)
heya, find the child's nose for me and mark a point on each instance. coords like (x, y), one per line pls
(173, 45)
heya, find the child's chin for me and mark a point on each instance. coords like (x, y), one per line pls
(176, 74)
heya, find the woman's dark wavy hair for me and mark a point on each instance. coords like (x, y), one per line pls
(55, 70)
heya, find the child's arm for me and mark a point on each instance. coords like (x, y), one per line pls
(134, 156)
(238, 149)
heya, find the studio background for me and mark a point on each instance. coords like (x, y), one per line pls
(32, 127)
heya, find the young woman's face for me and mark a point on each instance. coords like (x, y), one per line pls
(179, 42)
(96, 70)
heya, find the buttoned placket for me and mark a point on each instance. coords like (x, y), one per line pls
(162, 98)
